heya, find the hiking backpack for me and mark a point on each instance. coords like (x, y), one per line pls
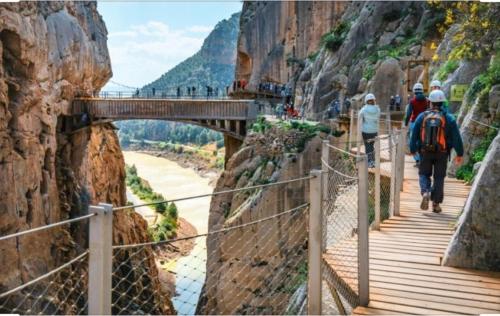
(432, 132)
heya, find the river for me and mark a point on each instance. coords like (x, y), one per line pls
(173, 181)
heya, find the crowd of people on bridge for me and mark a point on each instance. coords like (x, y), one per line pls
(433, 134)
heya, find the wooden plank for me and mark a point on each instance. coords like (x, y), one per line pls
(440, 306)
(433, 291)
(492, 275)
(361, 310)
(483, 306)
(420, 277)
(403, 309)
(420, 226)
(439, 285)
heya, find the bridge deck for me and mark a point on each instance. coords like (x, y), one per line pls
(406, 275)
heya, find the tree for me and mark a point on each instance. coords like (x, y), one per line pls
(172, 210)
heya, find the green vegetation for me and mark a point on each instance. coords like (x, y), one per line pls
(482, 84)
(312, 57)
(166, 132)
(333, 39)
(368, 71)
(166, 226)
(296, 279)
(466, 172)
(392, 15)
(447, 68)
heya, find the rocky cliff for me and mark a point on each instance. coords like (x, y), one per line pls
(256, 269)
(274, 34)
(212, 65)
(49, 52)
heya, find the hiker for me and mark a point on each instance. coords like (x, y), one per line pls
(347, 105)
(436, 85)
(189, 91)
(397, 102)
(193, 91)
(331, 110)
(178, 92)
(369, 117)
(434, 135)
(418, 104)
(154, 91)
(279, 111)
(392, 103)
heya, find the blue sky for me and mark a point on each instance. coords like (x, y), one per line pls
(146, 39)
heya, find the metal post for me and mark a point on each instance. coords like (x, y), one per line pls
(397, 180)
(351, 129)
(325, 158)
(100, 259)
(363, 261)
(315, 245)
(393, 175)
(404, 135)
(376, 224)
(358, 135)
(388, 126)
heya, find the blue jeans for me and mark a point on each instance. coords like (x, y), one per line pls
(369, 147)
(433, 164)
(410, 130)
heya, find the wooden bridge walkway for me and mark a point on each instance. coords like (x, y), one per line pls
(225, 115)
(406, 275)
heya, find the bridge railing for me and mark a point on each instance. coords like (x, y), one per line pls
(158, 94)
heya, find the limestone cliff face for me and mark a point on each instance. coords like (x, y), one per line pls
(475, 243)
(247, 265)
(49, 52)
(273, 31)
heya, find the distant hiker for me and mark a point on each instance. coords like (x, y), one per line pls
(336, 107)
(227, 90)
(154, 91)
(189, 91)
(434, 135)
(436, 85)
(369, 117)
(193, 91)
(136, 92)
(178, 92)
(331, 110)
(418, 104)
(392, 103)
(397, 101)
(279, 111)
(347, 105)
(238, 84)
(234, 85)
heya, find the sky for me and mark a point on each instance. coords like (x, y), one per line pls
(146, 39)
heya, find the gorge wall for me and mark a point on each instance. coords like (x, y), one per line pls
(257, 268)
(49, 52)
(274, 32)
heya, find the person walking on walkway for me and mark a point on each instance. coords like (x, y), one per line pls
(418, 104)
(434, 135)
(368, 118)
(436, 85)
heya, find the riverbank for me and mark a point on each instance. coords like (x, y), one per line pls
(207, 162)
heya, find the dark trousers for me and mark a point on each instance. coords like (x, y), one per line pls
(433, 164)
(369, 146)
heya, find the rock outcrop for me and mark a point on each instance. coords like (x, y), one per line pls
(51, 51)
(256, 269)
(475, 243)
(275, 33)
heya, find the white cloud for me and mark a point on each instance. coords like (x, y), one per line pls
(141, 53)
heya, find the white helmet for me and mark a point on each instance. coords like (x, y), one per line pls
(437, 96)
(369, 97)
(418, 87)
(436, 83)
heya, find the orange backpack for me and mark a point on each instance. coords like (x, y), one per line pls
(433, 132)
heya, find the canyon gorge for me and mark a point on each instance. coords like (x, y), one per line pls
(52, 169)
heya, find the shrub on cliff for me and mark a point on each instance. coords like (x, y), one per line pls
(334, 39)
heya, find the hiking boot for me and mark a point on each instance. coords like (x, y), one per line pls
(424, 205)
(436, 208)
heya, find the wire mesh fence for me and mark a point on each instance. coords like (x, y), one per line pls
(60, 291)
(340, 222)
(255, 269)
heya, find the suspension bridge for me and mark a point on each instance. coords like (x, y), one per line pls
(355, 242)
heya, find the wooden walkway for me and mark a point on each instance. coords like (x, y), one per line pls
(406, 275)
